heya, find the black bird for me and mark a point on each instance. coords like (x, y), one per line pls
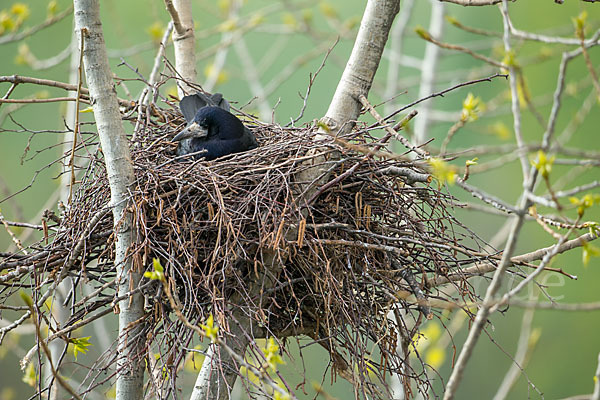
(212, 131)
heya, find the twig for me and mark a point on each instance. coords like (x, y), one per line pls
(16, 37)
(179, 28)
(24, 224)
(580, 307)
(514, 94)
(525, 347)
(57, 376)
(76, 126)
(311, 80)
(486, 197)
(484, 268)
(37, 101)
(390, 131)
(395, 51)
(17, 79)
(443, 92)
(429, 66)
(15, 239)
(588, 63)
(426, 36)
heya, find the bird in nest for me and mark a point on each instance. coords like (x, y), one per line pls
(212, 131)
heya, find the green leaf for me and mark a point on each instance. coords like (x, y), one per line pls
(26, 298)
(157, 273)
(543, 163)
(272, 356)
(80, 345)
(585, 202)
(589, 251)
(30, 376)
(473, 161)
(419, 30)
(210, 329)
(442, 171)
(471, 107)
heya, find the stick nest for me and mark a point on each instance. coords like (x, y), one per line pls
(244, 237)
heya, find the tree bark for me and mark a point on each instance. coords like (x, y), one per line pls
(184, 43)
(363, 63)
(356, 80)
(114, 144)
(219, 370)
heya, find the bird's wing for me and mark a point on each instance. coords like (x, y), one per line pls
(189, 105)
(219, 148)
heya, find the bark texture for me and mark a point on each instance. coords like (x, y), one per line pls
(362, 64)
(184, 43)
(130, 367)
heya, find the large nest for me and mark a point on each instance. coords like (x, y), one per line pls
(346, 257)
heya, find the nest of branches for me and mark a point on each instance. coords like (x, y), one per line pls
(345, 257)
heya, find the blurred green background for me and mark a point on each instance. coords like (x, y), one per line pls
(565, 356)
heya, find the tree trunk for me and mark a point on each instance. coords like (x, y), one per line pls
(362, 64)
(219, 370)
(130, 366)
(184, 43)
(356, 80)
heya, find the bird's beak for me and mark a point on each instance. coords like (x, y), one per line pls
(193, 130)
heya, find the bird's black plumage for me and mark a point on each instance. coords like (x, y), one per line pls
(212, 131)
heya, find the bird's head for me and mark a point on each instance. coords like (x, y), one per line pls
(197, 128)
(212, 122)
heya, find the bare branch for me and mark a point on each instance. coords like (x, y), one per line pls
(184, 43)
(30, 31)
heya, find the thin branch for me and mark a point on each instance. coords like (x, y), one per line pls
(428, 71)
(38, 101)
(28, 32)
(18, 79)
(428, 37)
(391, 132)
(525, 347)
(311, 80)
(442, 93)
(514, 94)
(483, 268)
(57, 376)
(179, 28)
(485, 197)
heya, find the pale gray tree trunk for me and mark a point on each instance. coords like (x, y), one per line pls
(362, 64)
(184, 42)
(219, 370)
(356, 80)
(114, 144)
